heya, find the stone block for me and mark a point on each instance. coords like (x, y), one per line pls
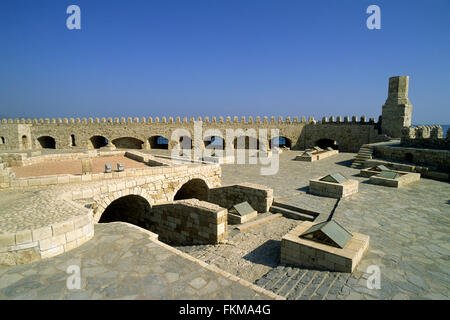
(309, 254)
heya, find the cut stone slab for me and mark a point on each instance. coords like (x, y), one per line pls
(241, 213)
(310, 254)
(316, 154)
(397, 181)
(340, 189)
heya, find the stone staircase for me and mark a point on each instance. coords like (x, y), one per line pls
(301, 284)
(365, 153)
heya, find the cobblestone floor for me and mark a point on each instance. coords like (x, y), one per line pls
(121, 262)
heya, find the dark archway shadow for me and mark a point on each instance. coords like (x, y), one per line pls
(126, 209)
(195, 188)
(267, 254)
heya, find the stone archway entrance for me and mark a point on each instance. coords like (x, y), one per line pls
(327, 143)
(127, 143)
(47, 142)
(126, 209)
(98, 142)
(195, 188)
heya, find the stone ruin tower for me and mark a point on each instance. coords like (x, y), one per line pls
(397, 110)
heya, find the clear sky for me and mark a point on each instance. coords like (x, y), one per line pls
(221, 57)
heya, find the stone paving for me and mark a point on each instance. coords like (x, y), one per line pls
(46, 168)
(123, 262)
(408, 229)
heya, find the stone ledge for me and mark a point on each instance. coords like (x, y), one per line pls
(27, 246)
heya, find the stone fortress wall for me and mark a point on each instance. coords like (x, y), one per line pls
(140, 133)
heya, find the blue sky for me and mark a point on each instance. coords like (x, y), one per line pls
(221, 57)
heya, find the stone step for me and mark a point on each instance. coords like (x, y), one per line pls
(292, 214)
(294, 208)
(257, 222)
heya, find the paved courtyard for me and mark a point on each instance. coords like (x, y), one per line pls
(408, 228)
(122, 262)
(409, 242)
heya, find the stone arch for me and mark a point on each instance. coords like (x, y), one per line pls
(214, 142)
(185, 142)
(24, 142)
(46, 142)
(97, 142)
(128, 143)
(2, 140)
(280, 141)
(248, 143)
(127, 208)
(158, 142)
(101, 203)
(409, 157)
(327, 143)
(194, 188)
(72, 141)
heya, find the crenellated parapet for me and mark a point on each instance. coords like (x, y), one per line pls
(143, 132)
(425, 137)
(206, 119)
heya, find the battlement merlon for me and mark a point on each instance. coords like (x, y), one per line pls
(397, 110)
(425, 137)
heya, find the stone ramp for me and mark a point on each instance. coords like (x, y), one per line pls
(308, 206)
(123, 261)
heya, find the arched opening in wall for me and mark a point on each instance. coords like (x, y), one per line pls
(128, 143)
(98, 141)
(214, 142)
(2, 140)
(195, 188)
(246, 142)
(409, 157)
(158, 142)
(72, 140)
(47, 142)
(126, 209)
(327, 143)
(185, 142)
(24, 142)
(280, 141)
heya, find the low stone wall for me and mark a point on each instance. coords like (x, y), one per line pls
(259, 197)
(26, 246)
(405, 178)
(315, 156)
(188, 221)
(312, 255)
(333, 190)
(431, 137)
(35, 157)
(439, 160)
